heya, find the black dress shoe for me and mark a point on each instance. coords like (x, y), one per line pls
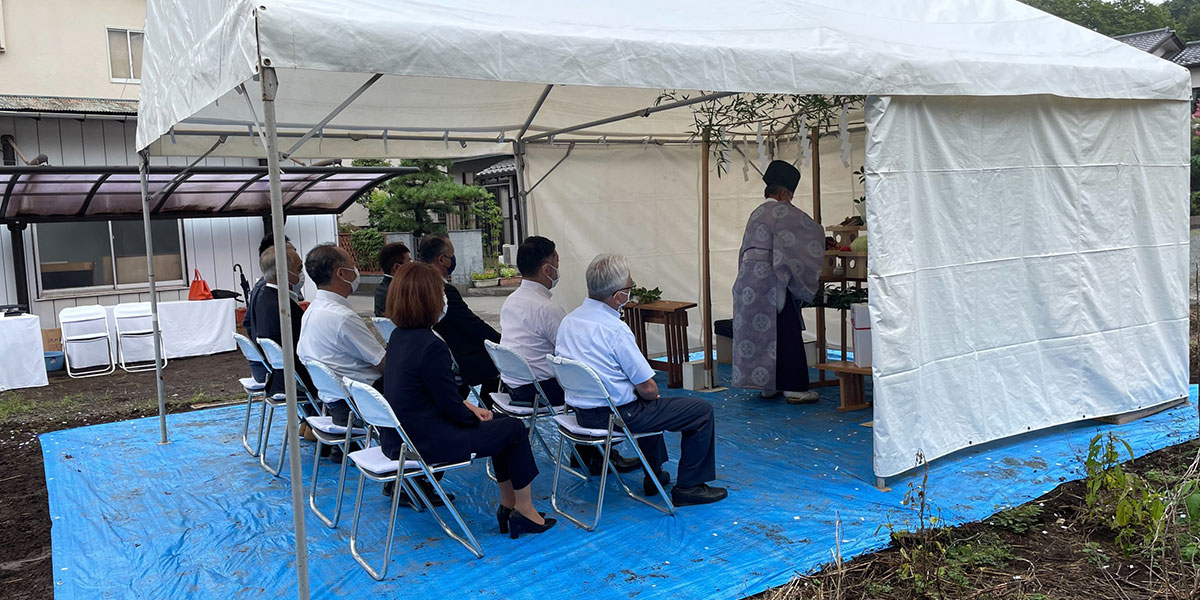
(626, 464)
(426, 487)
(503, 514)
(699, 494)
(518, 524)
(648, 486)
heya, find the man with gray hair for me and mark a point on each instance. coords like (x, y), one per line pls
(264, 321)
(595, 335)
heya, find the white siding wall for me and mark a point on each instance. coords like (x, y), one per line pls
(211, 245)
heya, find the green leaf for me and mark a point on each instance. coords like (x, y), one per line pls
(1124, 511)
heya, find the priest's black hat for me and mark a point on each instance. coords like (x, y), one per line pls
(782, 173)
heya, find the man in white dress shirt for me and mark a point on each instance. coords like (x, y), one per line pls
(529, 322)
(595, 335)
(331, 333)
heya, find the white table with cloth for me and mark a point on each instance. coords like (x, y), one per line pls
(24, 363)
(189, 328)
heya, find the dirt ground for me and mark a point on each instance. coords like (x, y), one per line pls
(25, 565)
(1058, 556)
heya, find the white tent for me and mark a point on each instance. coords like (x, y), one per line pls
(1026, 178)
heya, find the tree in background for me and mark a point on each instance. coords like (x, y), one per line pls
(411, 202)
(1186, 14)
(1115, 17)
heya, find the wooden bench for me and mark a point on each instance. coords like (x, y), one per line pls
(852, 383)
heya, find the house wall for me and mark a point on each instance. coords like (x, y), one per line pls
(60, 48)
(213, 246)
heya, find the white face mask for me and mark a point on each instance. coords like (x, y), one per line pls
(628, 295)
(353, 284)
(554, 280)
(445, 306)
(299, 281)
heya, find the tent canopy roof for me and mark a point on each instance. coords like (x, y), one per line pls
(43, 194)
(476, 68)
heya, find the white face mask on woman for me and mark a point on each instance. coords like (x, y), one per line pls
(445, 306)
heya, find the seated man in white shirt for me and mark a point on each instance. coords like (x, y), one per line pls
(331, 333)
(529, 326)
(595, 335)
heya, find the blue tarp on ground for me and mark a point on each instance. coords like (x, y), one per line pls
(199, 519)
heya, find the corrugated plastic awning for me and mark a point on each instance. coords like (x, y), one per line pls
(45, 194)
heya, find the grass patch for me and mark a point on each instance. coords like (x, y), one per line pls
(15, 405)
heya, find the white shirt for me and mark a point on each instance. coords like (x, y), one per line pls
(332, 334)
(594, 335)
(529, 326)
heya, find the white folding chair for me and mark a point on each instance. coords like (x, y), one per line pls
(84, 327)
(256, 390)
(512, 365)
(274, 356)
(373, 464)
(329, 389)
(384, 326)
(578, 379)
(134, 322)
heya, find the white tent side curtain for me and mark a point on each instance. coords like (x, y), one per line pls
(477, 67)
(1028, 266)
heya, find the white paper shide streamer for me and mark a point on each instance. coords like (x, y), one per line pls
(844, 134)
(762, 150)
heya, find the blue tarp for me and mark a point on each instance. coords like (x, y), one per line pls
(199, 519)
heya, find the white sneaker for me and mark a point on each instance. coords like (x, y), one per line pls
(808, 397)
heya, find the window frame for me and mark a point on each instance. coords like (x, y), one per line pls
(129, 49)
(107, 289)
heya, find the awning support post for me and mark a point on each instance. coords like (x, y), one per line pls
(270, 85)
(710, 380)
(144, 173)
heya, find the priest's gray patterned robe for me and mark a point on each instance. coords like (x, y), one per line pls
(782, 251)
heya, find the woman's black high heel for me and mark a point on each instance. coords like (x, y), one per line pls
(502, 515)
(518, 524)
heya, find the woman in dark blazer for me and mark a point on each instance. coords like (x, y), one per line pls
(420, 387)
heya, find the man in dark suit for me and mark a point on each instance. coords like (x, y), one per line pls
(267, 243)
(462, 329)
(265, 323)
(391, 257)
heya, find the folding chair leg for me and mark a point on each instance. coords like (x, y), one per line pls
(250, 398)
(670, 507)
(600, 497)
(331, 523)
(266, 441)
(467, 539)
(387, 548)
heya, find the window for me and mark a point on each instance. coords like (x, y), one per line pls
(106, 255)
(124, 55)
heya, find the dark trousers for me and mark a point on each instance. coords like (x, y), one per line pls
(522, 395)
(690, 416)
(791, 372)
(504, 440)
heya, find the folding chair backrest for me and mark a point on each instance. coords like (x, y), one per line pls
(83, 320)
(249, 350)
(510, 364)
(384, 326)
(372, 406)
(273, 353)
(130, 310)
(578, 379)
(329, 386)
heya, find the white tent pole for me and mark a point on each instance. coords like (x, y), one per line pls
(270, 85)
(645, 112)
(143, 172)
(335, 112)
(536, 107)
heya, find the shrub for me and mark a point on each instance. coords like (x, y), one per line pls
(366, 244)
